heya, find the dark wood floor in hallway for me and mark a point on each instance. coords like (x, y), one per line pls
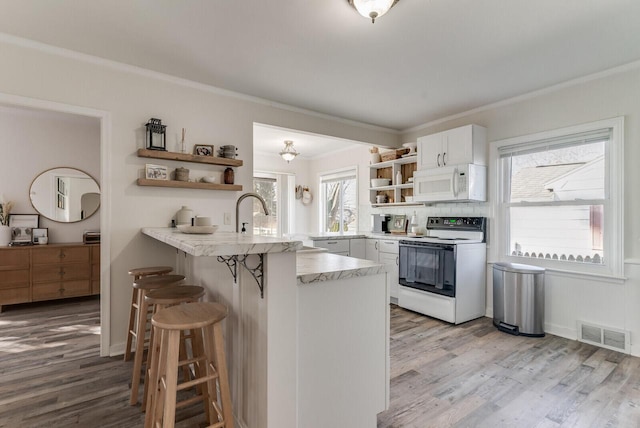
(470, 375)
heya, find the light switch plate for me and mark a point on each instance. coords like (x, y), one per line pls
(227, 219)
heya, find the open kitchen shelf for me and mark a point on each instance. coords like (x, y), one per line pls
(188, 184)
(396, 192)
(186, 157)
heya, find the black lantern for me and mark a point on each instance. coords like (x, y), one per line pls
(156, 135)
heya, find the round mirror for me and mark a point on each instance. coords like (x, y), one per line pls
(65, 195)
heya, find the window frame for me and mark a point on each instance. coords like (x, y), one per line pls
(331, 175)
(613, 226)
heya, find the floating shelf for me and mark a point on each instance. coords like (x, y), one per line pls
(185, 157)
(188, 184)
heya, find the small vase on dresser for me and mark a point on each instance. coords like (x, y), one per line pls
(5, 236)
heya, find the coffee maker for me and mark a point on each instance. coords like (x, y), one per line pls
(380, 223)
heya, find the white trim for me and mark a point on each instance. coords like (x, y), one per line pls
(614, 218)
(105, 199)
(529, 95)
(115, 65)
(632, 261)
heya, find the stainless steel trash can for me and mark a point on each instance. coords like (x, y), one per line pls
(518, 299)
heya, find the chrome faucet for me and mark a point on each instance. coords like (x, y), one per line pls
(246, 195)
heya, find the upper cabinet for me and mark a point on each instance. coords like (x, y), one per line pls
(466, 144)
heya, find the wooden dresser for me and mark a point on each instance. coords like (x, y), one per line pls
(46, 272)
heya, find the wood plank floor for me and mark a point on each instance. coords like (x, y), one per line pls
(441, 376)
(472, 375)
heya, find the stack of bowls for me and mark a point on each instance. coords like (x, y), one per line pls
(228, 151)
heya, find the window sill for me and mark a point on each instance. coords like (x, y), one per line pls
(553, 271)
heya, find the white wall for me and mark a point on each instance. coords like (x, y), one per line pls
(34, 141)
(571, 298)
(132, 96)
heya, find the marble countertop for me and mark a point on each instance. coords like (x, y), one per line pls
(321, 266)
(221, 243)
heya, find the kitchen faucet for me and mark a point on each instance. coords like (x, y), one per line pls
(246, 195)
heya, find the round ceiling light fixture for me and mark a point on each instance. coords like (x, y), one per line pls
(288, 153)
(372, 8)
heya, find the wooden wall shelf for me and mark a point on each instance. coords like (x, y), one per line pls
(185, 157)
(188, 185)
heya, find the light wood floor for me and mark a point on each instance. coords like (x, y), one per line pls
(441, 376)
(472, 375)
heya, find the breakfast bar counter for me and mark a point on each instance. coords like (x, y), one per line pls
(307, 336)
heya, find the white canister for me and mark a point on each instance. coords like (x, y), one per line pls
(184, 215)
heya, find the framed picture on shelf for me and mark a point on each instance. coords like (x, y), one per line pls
(156, 172)
(61, 187)
(203, 150)
(37, 233)
(22, 226)
(61, 204)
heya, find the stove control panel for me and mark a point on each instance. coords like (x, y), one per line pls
(459, 223)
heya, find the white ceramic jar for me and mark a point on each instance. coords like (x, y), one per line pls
(184, 215)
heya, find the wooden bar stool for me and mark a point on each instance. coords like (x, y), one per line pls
(205, 318)
(163, 298)
(143, 286)
(138, 273)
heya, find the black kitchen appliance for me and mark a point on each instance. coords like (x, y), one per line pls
(380, 223)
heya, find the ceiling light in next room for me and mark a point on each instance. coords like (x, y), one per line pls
(372, 8)
(288, 153)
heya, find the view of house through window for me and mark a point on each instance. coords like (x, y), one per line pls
(262, 224)
(555, 198)
(339, 203)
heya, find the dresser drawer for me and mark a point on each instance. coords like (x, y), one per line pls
(14, 258)
(57, 290)
(13, 295)
(95, 254)
(9, 278)
(61, 272)
(60, 255)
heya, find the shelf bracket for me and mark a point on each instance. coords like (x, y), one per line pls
(256, 272)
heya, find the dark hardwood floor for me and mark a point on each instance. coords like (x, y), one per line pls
(441, 375)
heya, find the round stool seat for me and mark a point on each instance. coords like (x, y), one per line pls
(153, 282)
(174, 294)
(190, 316)
(146, 271)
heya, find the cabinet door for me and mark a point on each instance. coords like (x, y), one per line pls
(334, 246)
(390, 261)
(371, 250)
(458, 145)
(430, 151)
(357, 248)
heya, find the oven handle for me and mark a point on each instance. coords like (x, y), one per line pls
(430, 246)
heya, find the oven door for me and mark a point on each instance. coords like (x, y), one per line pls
(428, 267)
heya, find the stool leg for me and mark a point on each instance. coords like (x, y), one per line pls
(153, 417)
(171, 379)
(137, 358)
(153, 345)
(201, 370)
(215, 331)
(151, 384)
(132, 319)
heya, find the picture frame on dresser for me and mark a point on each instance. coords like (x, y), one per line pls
(22, 226)
(39, 232)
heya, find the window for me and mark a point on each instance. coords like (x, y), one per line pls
(559, 198)
(339, 201)
(267, 187)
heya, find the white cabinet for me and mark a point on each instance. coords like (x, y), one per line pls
(395, 192)
(357, 248)
(371, 250)
(388, 256)
(466, 144)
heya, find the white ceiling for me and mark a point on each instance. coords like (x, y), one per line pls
(424, 60)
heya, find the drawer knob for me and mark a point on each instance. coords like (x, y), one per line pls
(62, 254)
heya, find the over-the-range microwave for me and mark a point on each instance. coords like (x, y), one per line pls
(456, 183)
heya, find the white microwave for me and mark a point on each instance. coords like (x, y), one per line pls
(456, 183)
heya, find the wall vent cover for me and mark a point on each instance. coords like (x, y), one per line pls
(605, 337)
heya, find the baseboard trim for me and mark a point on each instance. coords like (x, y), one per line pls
(117, 349)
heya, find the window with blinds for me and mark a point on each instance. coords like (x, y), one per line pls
(555, 198)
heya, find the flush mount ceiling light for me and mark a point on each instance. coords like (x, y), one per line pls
(288, 153)
(372, 8)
